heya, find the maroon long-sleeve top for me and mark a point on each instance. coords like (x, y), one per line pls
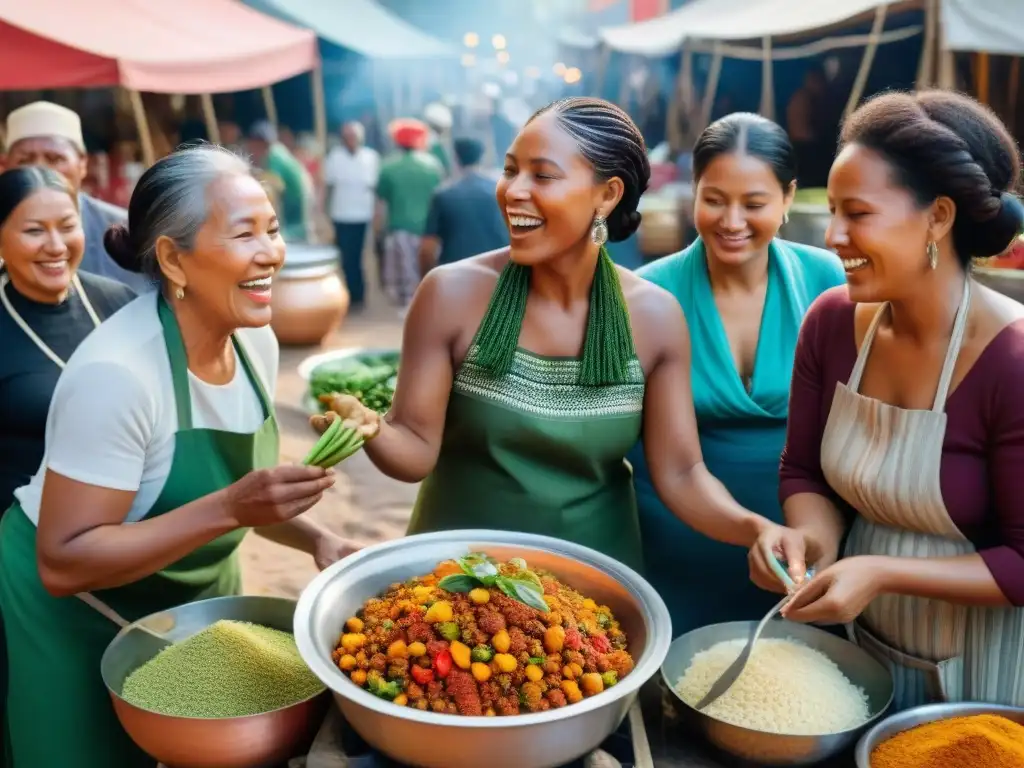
(982, 472)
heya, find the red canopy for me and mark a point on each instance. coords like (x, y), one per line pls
(158, 46)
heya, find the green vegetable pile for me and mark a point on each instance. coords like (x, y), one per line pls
(369, 378)
(513, 578)
(230, 669)
(336, 444)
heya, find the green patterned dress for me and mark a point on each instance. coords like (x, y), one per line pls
(536, 451)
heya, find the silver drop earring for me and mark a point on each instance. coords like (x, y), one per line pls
(785, 218)
(933, 254)
(179, 293)
(599, 230)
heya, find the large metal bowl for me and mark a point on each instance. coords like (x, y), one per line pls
(773, 748)
(256, 741)
(430, 740)
(911, 718)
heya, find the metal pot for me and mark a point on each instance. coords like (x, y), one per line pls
(257, 741)
(309, 297)
(807, 224)
(431, 740)
(776, 748)
(911, 718)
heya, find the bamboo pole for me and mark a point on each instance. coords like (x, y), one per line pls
(210, 117)
(926, 66)
(708, 104)
(268, 104)
(767, 80)
(868, 59)
(319, 108)
(142, 126)
(1014, 93)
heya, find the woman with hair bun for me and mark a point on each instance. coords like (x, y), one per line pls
(906, 425)
(744, 293)
(529, 372)
(161, 452)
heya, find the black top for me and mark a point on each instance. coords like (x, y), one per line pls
(28, 377)
(465, 217)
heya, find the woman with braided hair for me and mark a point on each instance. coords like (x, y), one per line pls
(529, 372)
(906, 425)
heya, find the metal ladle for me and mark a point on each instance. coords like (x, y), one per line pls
(734, 670)
(156, 626)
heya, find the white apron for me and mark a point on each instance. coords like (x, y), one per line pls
(885, 462)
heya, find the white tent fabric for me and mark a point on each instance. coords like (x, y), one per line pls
(362, 26)
(995, 26)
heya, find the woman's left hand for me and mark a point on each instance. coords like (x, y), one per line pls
(330, 548)
(837, 595)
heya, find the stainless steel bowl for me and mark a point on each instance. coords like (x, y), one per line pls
(911, 718)
(773, 748)
(430, 740)
(256, 741)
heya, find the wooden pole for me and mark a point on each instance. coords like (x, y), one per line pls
(926, 66)
(1014, 93)
(319, 108)
(210, 117)
(767, 80)
(142, 126)
(708, 105)
(870, 49)
(268, 104)
(982, 79)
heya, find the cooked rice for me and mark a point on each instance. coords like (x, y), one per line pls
(786, 687)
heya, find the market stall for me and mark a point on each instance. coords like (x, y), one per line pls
(189, 46)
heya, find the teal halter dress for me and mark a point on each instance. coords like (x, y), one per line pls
(742, 432)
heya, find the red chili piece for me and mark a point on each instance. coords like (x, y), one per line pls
(443, 664)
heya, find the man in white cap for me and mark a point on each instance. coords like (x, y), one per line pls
(42, 133)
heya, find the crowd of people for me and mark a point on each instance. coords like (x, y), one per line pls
(745, 400)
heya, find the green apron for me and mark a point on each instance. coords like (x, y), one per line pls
(534, 451)
(59, 712)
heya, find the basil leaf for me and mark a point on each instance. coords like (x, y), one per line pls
(523, 590)
(480, 567)
(457, 582)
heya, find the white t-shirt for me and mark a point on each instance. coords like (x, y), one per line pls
(113, 416)
(352, 178)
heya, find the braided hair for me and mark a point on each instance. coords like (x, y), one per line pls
(609, 140)
(945, 144)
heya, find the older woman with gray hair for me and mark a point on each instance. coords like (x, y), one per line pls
(161, 452)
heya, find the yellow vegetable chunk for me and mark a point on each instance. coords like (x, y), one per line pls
(440, 611)
(481, 672)
(571, 691)
(461, 654)
(417, 649)
(501, 642)
(592, 683)
(589, 604)
(354, 625)
(506, 662)
(479, 596)
(398, 650)
(359, 677)
(534, 673)
(347, 662)
(401, 700)
(352, 642)
(422, 593)
(554, 639)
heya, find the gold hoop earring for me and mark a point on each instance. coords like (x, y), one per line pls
(179, 293)
(599, 230)
(933, 254)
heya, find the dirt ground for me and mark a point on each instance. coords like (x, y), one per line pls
(363, 504)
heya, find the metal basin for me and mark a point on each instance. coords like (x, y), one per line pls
(807, 224)
(773, 748)
(256, 741)
(430, 740)
(911, 718)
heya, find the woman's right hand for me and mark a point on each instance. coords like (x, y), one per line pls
(272, 496)
(788, 545)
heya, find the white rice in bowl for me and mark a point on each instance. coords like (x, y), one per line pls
(786, 687)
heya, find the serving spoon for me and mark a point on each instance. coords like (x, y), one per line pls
(156, 626)
(734, 670)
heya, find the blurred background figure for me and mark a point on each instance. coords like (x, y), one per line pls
(439, 120)
(350, 174)
(407, 182)
(464, 218)
(287, 178)
(48, 134)
(804, 118)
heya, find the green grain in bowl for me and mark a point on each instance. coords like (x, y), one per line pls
(229, 669)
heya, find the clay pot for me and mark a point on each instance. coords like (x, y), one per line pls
(310, 299)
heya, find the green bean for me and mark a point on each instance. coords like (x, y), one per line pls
(324, 442)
